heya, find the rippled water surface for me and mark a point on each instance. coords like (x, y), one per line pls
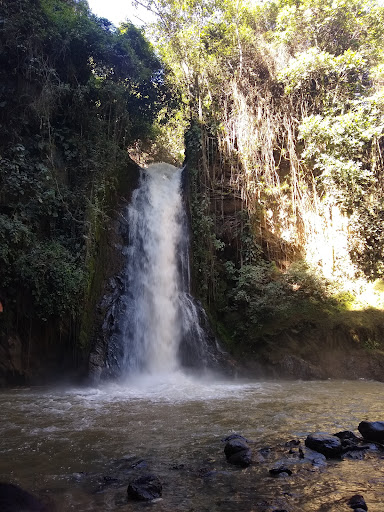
(81, 447)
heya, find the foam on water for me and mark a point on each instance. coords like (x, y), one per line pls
(173, 387)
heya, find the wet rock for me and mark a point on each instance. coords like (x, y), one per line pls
(109, 480)
(265, 452)
(314, 458)
(238, 452)
(351, 445)
(280, 471)
(207, 473)
(347, 435)
(106, 482)
(298, 368)
(328, 445)
(145, 488)
(292, 443)
(15, 499)
(372, 430)
(177, 467)
(242, 459)
(140, 464)
(234, 436)
(357, 503)
(348, 439)
(234, 446)
(12, 368)
(354, 455)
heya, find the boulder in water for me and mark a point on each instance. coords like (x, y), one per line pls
(145, 488)
(372, 430)
(235, 436)
(238, 452)
(242, 458)
(328, 445)
(357, 502)
(347, 435)
(15, 499)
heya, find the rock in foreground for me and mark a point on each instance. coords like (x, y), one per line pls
(238, 452)
(372, 430)
(14, 498)
(145, 488)
(357, 502)
(328, 445)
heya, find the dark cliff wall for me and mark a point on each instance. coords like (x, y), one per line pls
(107, 286)
(36, 351)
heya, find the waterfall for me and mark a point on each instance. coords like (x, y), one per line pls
(159, 328)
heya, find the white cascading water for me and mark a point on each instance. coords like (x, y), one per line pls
(158, 330)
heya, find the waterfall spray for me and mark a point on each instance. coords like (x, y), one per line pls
(159, 329)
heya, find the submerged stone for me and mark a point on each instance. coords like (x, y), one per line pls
(145, 488)
(280, 471)
(234, 446)
(238, 452)
(242, 458)
(372, 430)
(292, 443)
(328, 445)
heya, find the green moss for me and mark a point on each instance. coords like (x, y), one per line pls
(103, 261)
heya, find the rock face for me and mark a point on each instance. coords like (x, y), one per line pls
(328, 445)
(15, 499)
(237, 451)
(357, 502)
(145, 488)
(372, 430)
(12, 367)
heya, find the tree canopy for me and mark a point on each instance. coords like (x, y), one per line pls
(285, 104)
(75, 93)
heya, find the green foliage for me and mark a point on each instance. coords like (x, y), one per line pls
(333, 26)
(285, 111)
(321, 74)
(54, 278)
(264, 301)
(75, 93)
(342, 148)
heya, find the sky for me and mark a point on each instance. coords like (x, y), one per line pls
(119, 10)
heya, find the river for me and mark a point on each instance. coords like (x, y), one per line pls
(80, 447)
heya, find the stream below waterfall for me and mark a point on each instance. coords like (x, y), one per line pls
(81, 447)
